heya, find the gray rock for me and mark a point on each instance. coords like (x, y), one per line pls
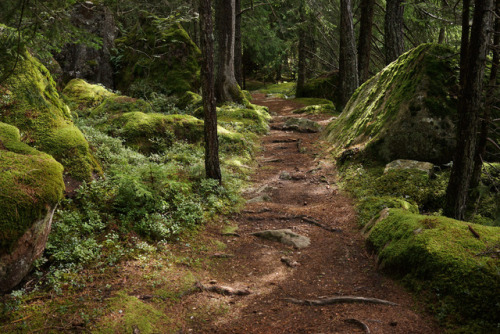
(409, 164)
(285, 176)
(263, 198)
(285, 236)
(301, 125)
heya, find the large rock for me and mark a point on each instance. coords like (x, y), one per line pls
(303, 125)
(407, 111)
(409, 164)
(157, 57)
(31, 184)
(285, 236)
(29, 100)
(83, 61)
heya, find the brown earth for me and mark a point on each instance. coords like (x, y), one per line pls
(335, 264)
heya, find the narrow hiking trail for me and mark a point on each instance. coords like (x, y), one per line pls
(293, 188)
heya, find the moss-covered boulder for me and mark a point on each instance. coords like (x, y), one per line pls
(407, 111)
(81, 95)
(325, 86)
(29, 101)
(157, 56)
(459, 272)
(31, 184)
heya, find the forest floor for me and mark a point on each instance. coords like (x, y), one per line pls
(298, 183)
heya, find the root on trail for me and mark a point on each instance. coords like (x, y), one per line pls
(337, 300)
(313, 222)
(360, 324)
(223, 290)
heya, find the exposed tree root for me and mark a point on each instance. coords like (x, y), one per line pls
(291, 140)
(223, 255)
(337, 300)
(360, 324)
(223, 290)
(313, 222)
(257, 212)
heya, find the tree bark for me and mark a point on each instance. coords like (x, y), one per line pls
(348, 65)
(238, 48)
(464, 43)
(365, 39)
(468, 112)
(226, 86)
(301, 70)
(212, 165)
(394, 36)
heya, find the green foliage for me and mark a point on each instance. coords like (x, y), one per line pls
(441, 257)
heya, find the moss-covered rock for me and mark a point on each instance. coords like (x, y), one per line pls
(31, 184)
(80, 95)
(254, 119)
(460, 272)
(189, 99)
(325, 87)
(157, 56)
(29, 101)
(407, 111)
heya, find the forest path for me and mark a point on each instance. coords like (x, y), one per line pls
(298, 182)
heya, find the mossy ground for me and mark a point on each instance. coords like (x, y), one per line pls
(30, 184)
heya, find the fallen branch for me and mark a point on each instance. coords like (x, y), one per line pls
(223, 290)
(338, 300)
(474, 232)
(359, 323)
(289, 262)
(230, 234)
(223, 255)
(288, 140)
(258, 211)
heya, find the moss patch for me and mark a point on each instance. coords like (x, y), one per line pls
(442, 256)
(157, 56)
(407, 111)
(325, 86)
(30, 184)
(79, 94)
(31, 103)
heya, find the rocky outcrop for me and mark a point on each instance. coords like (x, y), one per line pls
(406, 111)
(83, 61)
(31, 184)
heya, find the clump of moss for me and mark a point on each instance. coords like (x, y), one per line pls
(157, 56)
(117, 105)
(406, 111)
(79, 94)
(30, 184)
(442, 256)
(325, 86)
(316, 109)
(31, 103)
(253, 119)
(189, 99)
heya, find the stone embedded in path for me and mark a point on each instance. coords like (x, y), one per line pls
(262, 198)
(301, 125)
(285, 236)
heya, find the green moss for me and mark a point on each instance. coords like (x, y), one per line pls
(30, 183)
(325, 87)
(79, 94)
(407, 111)
(284, 88)
(157, 57)
(442, 256)
(117, 105)
(128, 313)
(312, 101)
(317, 109)
(31, 103)
(189, 99)
(369, 208)
(253, 119)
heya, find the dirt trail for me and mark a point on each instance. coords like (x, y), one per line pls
(335, 264)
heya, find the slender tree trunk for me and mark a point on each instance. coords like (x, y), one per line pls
(490, 95)
(226, 86)
(238, 48)
(469, 111)
(394, 36)
(212, 165)
(442, 34)
(348, 65)
(301, 75)
(365, 39)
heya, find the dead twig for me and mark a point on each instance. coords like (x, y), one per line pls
(223, 290)
(474, 232)
(338, 300)
(360, 324)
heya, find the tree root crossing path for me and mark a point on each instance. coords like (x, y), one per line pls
(329, 283)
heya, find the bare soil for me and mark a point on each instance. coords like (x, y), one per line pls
(335, 264)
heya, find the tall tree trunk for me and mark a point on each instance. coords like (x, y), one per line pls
(394, 36)
(226, 87)
(365, 39)
(212, 165)
(464, 43)
(490, 95)
(442, 35)
(348, 65)
(238, 48)
(301, 75)
(469, 111)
